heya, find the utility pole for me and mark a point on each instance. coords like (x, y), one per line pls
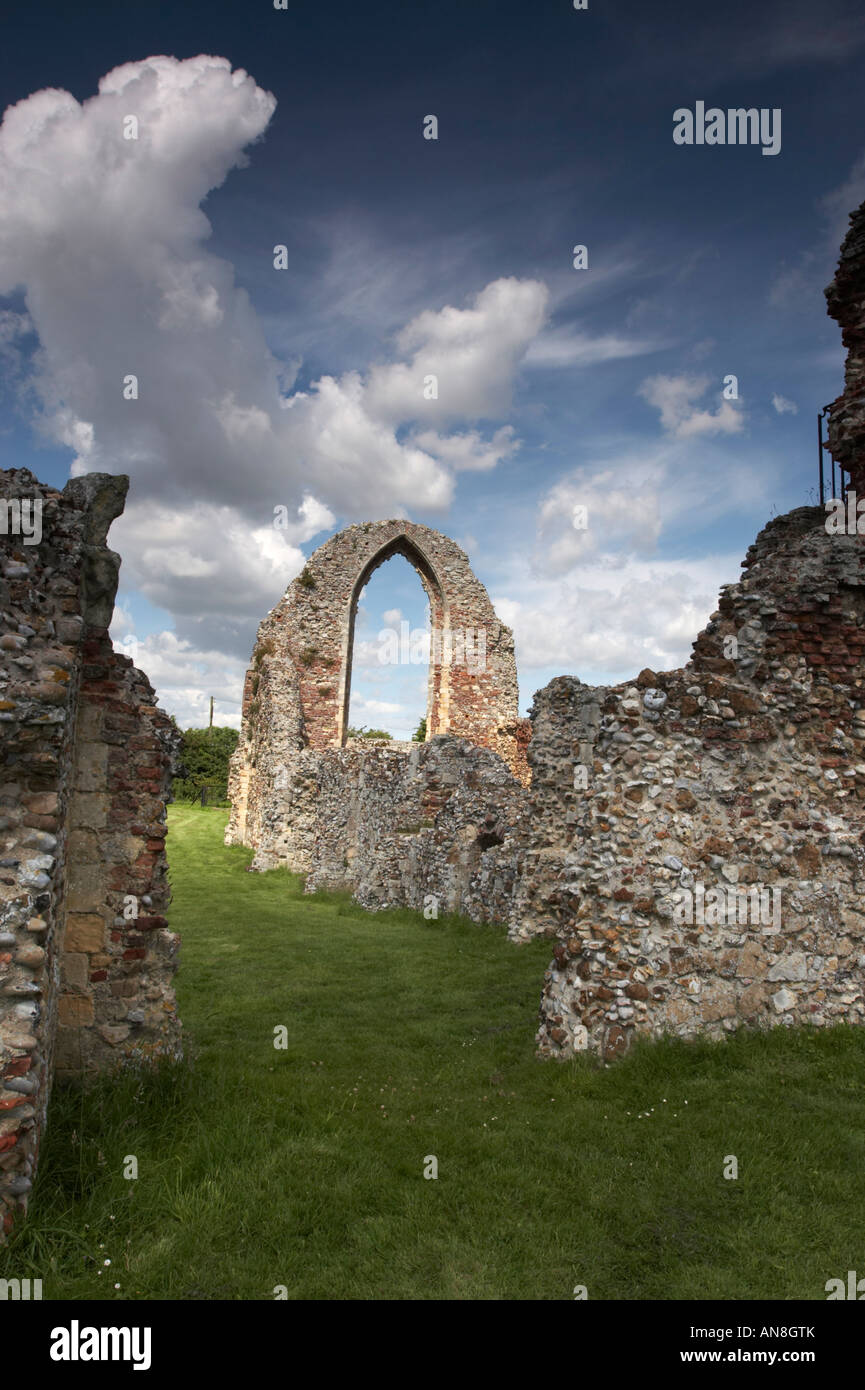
(211, 712)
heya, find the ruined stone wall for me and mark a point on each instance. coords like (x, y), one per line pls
(846, 303)
(744, 771)
(86, 959)
(436, 825)
(297, 688)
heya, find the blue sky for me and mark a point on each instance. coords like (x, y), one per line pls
(301, 387)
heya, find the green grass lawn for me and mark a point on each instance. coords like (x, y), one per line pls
(303, 1166)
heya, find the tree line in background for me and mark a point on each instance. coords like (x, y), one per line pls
(205, 754)
(419, 735)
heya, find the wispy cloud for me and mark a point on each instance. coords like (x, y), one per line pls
(796, 285)
(568, 347)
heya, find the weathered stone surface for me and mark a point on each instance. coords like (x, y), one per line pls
(85, 931)
(75, 1010)
(766, 828)
(846, 303)
(383, 829)
(75, 969)
(72, 788)
(297, 689)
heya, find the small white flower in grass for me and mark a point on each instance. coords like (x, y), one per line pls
(106, 1262)
(117, 1286)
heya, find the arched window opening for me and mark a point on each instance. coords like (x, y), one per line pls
(389, 644)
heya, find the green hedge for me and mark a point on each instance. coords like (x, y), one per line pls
(204, 757)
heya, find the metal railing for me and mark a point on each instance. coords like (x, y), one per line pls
(822, 448)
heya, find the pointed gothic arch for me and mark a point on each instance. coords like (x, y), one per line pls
(298, 685)
(439, 620)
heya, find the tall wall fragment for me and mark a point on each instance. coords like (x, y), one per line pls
(86, 959)
(297, 689)
(846, 303)
(711, 873)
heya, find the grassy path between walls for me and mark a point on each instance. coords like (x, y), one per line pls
(303, 1167)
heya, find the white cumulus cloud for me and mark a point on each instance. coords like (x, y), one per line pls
(183, 676)
(581, 517)
(676, 398)
(106, 237)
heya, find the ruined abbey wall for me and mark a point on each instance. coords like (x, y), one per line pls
(711, 871)
(296, 693)
(433, 826)
(846, 302)
(86, 958)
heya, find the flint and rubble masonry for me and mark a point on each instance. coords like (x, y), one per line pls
(87, 758)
